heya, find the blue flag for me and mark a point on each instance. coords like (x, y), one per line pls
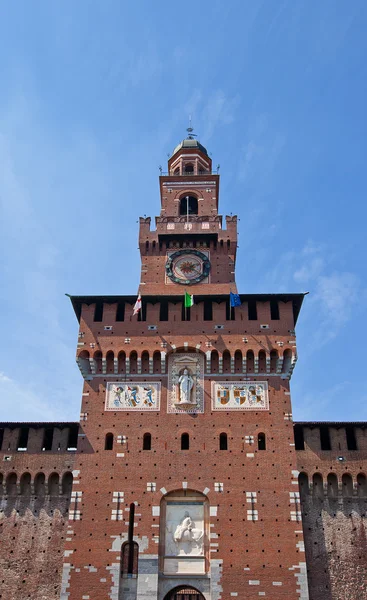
(235, 299)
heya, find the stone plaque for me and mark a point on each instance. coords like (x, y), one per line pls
(240, 395)
(133, 395)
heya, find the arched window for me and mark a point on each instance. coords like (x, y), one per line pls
(303, 485)
(287, 360)
(362, 485)
(98, 361)
(156, 362)
(188, 205)
(261, 441)
(25, 484)
(108, 444)
(189, 168)
(147, 441)
(318, 486)
(332, 485)
(53, 484)
(67, 483)
(347, 487)
(11, 484)
(215, 361)
(223, 441)
(39, 484)
(185, 441)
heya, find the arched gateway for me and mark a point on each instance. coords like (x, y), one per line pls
(184, 593)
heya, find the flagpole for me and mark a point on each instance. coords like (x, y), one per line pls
(185, 306)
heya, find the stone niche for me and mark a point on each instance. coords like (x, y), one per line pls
(184, 533)
(185, 383)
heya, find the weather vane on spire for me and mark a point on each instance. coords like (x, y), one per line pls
(190, 130)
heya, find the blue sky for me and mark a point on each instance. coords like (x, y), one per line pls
(93, 95)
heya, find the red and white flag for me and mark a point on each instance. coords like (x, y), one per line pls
(137, 305)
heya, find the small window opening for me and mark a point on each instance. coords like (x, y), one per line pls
(351, 438)
(108, 444)
(252, 310)
(120, 312)
(147, 441)
(73, 438)
(223, 441)
(185, 441)
(23, 439)
(98, 312)
(299, 439)
(261, 441)
(188, 205)
(208, 310)
(274, 310)
(48, 436)
(163, 310)
(325, 438)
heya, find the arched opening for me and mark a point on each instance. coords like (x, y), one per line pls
(287, 360)
(262, 361)
(67, 483)
(273, 361)
(53, 484)
(176, 171)
(25, 484)
(109, 361)
(156, 362)
(215, 362)
(332, 485)
(11, 484)
(303, 485)
(189, 168)
(223, 441)
(261, 441)
(226, 362)
(145, 362)
(347, 485)
(133, 362)
(39, 485)
(108, 443)
(147, 441)
(98, 360)
(188, 205)
(184, 593)
(250, 361)
(129, 562)
(238, 361)
(121, 362)
(317, 486)
(362, 485)
(185, 441)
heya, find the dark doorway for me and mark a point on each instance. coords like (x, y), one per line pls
(184, 593)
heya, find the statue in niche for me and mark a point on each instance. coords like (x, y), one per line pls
(188, 538)
(186, 383)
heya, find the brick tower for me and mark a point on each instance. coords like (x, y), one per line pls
(185, 480)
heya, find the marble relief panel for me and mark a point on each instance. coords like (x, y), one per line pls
(133, 395)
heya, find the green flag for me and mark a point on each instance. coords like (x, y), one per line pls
(189, 300)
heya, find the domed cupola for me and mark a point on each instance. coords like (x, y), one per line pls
(189, 157)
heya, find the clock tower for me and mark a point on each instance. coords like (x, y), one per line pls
(189, 248)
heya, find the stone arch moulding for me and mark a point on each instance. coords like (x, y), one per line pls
(184, 592)
(185, 396)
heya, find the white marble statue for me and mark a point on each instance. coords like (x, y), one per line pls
(186, 383)
(188, 538)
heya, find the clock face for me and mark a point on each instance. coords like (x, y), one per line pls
(187, 266)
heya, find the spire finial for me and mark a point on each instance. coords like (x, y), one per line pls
(190, 130)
